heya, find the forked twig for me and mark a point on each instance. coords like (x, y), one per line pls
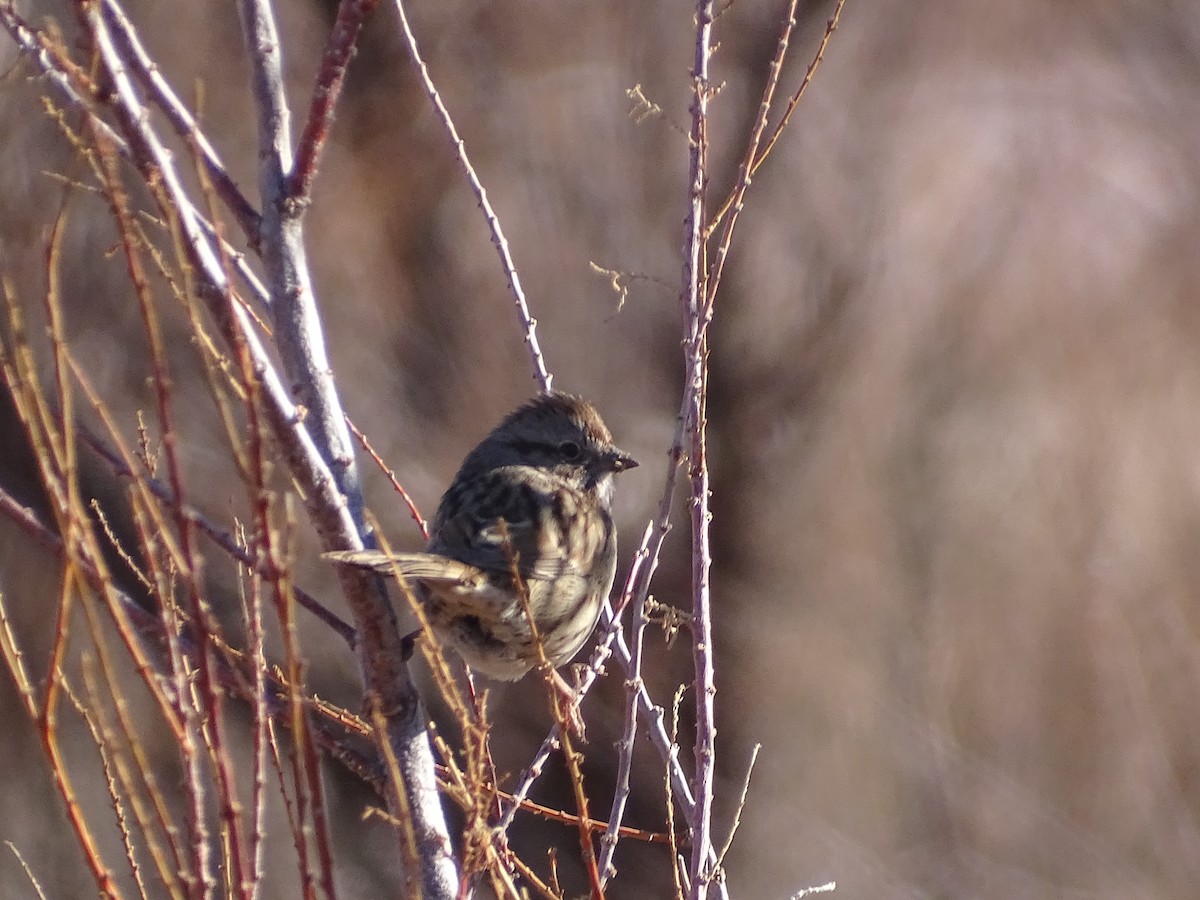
(164, 97)
(732, 207)
(830, 27)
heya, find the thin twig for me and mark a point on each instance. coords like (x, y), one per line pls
(391, 476)
(741, 805)
(60, 437)
(633, 687)
(252, 614)
(111, 763)
(219, 536)
(28, 872)
(826, 888)
(566, 818)
(678, 868)
(528, 323)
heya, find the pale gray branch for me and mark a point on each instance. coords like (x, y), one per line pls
(301, 344)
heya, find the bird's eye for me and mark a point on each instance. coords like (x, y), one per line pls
(569, 450)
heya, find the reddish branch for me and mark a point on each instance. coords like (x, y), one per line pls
(339, 49)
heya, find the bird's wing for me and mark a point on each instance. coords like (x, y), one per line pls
(512, 516)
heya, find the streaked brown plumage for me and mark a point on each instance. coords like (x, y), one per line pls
(535, 493)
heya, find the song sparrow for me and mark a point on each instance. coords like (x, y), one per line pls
(535, 497)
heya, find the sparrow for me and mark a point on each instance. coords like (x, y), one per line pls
(529, 510)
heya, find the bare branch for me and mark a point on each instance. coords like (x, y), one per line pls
(324, 490)
(830, 28)
(701, 870)
(733, 206)
(130, 48)
(528, 323)
(634, 687)
(343, 40)
(219, 536)
(300, 340)
(741, 805)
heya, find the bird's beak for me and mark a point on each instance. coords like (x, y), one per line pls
(619, 460)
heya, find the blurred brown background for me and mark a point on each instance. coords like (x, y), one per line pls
(955, 413)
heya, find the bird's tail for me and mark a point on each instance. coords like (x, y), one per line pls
(427, 567)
